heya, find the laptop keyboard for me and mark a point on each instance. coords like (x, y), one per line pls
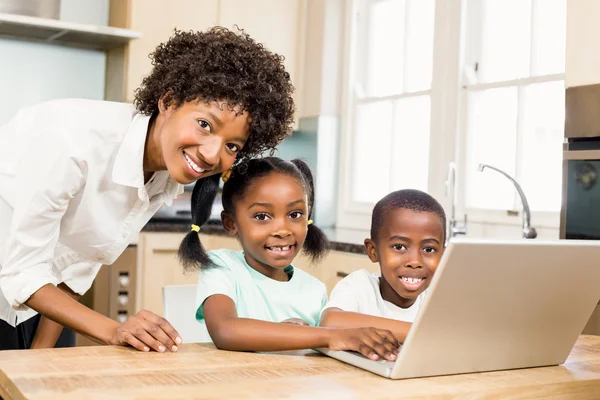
(380, 361)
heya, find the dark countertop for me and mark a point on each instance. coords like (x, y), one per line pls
(348, 240)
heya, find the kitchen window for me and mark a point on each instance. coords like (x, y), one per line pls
(389, 103)
(513, 105)
(496, 96)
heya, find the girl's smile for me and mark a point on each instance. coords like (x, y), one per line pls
(282, 251)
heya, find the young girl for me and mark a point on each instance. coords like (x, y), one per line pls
(243, 296)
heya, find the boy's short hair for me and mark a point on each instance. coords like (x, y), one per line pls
(410, 199)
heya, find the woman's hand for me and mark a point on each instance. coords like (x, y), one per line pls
(146, 330)
(370, 342)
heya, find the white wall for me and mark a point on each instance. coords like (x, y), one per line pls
(583, 43)
(93, 12)
(34, 72)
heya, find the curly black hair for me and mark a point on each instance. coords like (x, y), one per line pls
(223, 65)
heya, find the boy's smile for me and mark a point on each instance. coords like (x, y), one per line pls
(412, 283)
(408, 248)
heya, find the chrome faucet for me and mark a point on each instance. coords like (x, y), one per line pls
(529, 231)
(453, 227)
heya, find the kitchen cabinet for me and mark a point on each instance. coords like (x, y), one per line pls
(335, 266)
(64, 33)
(156, 20)
(278, 24)
(275, 23)
(158, 265)
(153, 264)
(113, 292)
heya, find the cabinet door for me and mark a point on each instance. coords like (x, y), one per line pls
(155, 20)
(340, 264)
(335, 266)
(159, 266)
(274, 23)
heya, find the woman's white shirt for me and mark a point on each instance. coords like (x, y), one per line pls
(72, 195)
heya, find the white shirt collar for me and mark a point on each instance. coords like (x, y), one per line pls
(131, 152)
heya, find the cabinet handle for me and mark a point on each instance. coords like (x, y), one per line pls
(341, 274)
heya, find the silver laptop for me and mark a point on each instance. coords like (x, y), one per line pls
(495, 305)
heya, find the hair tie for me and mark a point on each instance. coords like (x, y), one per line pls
(310, 222)
(225, 175)
(195, 228)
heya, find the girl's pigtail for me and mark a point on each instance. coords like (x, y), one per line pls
(316, 245)
(191, 252)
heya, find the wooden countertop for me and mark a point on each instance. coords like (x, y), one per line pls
(199, 371)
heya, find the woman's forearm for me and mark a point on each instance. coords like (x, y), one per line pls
(336, 318)
(58, 306)
(47, 332)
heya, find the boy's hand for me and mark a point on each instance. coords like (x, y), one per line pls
(370, 342)
(295, 321)
(146, 330)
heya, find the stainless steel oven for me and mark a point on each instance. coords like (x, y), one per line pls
(580, 214)
(580, 211)
(180, 210)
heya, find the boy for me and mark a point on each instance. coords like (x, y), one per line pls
(407, 240)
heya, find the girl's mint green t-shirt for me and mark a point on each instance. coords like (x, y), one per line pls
(257, 296)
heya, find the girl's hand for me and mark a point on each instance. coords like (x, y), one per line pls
(146, 331)
(295, 321)
(370, 342)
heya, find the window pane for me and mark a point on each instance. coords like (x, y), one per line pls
(549, 36)
(371, 161)
(505, 41)
(384, 47)
(410, 157)
(491, 139)
(543, 133)
(419, 45)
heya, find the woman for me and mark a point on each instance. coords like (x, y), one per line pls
(79, 178)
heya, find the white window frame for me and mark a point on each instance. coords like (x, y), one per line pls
(513, 217)
(443, 99)
(448, 130)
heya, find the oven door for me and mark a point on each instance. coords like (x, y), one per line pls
(580, 214)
